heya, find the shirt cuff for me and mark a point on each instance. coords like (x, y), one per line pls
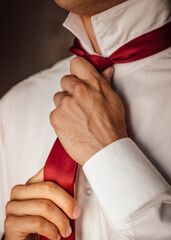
(123, 179)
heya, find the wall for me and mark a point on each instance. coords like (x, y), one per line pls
(31, 38)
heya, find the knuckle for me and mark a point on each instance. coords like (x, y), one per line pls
(56, 119)
(80, 89)
(45, 206)
(75, 61)
(14, 190)
(38, 222)
(54, 97)
(9, 222)
(48, 187)
(8, 206)
(53, 117)
(41, 226)
(64, 78)
(66, 101)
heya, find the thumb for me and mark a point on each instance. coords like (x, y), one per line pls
(36, 178)
(108, 74)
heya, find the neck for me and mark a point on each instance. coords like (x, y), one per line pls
(118, 25)
(90, 30)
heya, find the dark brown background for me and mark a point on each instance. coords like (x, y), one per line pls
(31, 38)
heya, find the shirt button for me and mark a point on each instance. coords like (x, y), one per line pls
(88, 191)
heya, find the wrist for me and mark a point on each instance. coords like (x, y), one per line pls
(94, 150)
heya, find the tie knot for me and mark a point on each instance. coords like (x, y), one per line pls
(99, 62)
(138, 48)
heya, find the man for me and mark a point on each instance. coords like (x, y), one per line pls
(122, 189)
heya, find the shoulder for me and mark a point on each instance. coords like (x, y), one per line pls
(35, 89)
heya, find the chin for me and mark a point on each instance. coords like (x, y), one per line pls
(69, 5)
(80, 7)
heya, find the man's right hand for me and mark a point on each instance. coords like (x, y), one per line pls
(39, 208)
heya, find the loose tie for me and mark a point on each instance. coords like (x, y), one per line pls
(60, 167)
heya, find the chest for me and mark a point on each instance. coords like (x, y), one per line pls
(146, 95)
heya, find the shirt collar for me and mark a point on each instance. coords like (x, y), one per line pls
(121, 24)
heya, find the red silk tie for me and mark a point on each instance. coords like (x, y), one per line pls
(60, 167)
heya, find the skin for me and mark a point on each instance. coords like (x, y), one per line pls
(39, 208)
(87, 108)
(90, 31)
(87, 7)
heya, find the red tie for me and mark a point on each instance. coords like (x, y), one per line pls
(60, 167)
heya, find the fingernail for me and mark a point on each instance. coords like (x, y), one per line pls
(68, 232)
(76, 212)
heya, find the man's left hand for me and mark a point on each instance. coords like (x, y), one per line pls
(89, 115)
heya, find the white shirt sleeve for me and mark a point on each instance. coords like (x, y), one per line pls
(133, 195)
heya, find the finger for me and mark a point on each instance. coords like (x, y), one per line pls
(73, 85)
(48, 190)
(37, 178)
(108, 75)
(84, 70)
(29, 224)
(43, 208)
(68, 82)
(58, 97)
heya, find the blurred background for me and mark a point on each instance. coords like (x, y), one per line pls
(31, 39)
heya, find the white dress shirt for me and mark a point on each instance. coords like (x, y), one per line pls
(123, 189)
